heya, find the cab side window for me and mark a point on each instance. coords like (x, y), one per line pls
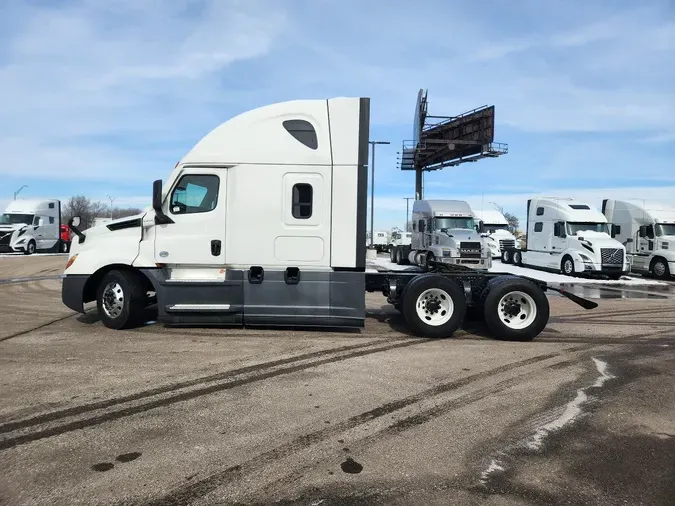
(195, 193)
(302, 201)
(650, 232)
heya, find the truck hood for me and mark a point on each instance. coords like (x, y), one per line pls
(598, 239)
(458, 234)
(11, 227)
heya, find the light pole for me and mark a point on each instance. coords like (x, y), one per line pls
(407, 211)
(372, 188)
(112, 199)
(17, 191)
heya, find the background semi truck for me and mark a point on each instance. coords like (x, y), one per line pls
(647, 230)
(190, 252)
(495, 227)
(571, 237)
(31, 226)
(444, 231)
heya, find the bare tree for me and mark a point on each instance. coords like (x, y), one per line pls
(123, 212)
(81, 206)
(513, 221)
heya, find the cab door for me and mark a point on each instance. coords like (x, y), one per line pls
(196, 203)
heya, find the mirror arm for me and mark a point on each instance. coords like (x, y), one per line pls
(80, 236)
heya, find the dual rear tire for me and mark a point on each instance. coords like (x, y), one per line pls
(514, 309)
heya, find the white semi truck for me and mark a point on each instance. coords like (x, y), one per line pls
(444, 231)
(647, 230)
(31, 226)
(398, 239)
(494, 226)
(380, 241)
(570, 237)
(304, 192)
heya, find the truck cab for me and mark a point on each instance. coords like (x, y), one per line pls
(571, 237)
(445, 231)
(647, 230)
(495, 228)
(30, 226)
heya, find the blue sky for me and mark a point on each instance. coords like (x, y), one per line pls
(103, 97)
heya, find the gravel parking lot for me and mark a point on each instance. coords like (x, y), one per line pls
(584, 414)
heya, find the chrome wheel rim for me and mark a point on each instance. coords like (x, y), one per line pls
(568, 266)
(434, 307)
(113, 300)
(659, 268)
(517, 310)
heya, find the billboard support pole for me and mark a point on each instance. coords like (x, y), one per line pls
(418, 183)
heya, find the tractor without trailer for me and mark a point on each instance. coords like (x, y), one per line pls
(190, 251)
(570, 237)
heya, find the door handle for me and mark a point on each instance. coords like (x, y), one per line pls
(215, 247)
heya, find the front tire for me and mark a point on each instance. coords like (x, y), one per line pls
(567, 266)
(65, 247)
(660, 269)
(433, 306)
(121, 299)
(507, 258)
(30, 248)
(516, 310)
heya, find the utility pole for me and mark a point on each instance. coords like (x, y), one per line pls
(372, 187)
(407, 212)
(17, 191)
(112, 199)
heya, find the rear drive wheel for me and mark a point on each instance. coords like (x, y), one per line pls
(433, 306)
(121, 299)
(660, 268)
(399, 256)
(507, 258)
(567, 266)
(517, 258)
(392, 254)
(516, 310)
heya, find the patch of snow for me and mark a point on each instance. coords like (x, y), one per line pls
(572, 409)
(548, 277)
(495, 466)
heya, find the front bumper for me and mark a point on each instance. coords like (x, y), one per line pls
(476, 262)
(72, 291)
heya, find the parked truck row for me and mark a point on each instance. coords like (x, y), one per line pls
(31, 226)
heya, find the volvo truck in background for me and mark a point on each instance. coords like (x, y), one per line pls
(191, 253)
(570, 237)
(31, 226)
(445, 231)
(647, 230)
(495, 228)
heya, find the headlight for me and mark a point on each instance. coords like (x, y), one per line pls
(447, 252)
(586, 259)
(21, 241)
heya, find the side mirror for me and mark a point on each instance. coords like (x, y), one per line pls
(41, 222)
(643, 231)
(615, 230)
(629, 240)
(75, 221)
(160, 217)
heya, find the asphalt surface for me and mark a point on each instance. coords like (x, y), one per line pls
(584, 414)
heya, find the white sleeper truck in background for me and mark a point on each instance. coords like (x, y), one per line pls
(304, 192)
(445, 231)
(647, 230)
(31, 226)
(494, 226)
(570, 237)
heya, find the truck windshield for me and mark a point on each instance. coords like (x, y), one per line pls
(12, 219)
(574, 227)
(441, 223)
(491, 227)
(665, 229)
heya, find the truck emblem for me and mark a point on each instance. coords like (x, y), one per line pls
(164, 254)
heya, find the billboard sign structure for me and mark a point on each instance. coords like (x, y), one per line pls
(448, 141)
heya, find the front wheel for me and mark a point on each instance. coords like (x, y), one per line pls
(434, 306)
(506, 257)
(567, 266)
(65, 247)
(660, 269)
(516, 310)
(120, 299)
